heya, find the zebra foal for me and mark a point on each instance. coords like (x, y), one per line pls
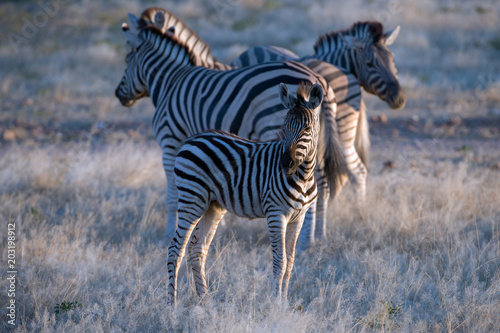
(218, 172)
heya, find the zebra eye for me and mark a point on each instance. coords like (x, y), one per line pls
(307, 130)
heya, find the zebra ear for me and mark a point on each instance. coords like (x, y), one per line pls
(315, 96)
(287, 100)
(134, 21)
(353, 42)
(391, 36)
(132, 38)
(159, 19)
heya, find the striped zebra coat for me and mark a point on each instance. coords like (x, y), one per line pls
(347, 95)
(190, 99)
(218, 172)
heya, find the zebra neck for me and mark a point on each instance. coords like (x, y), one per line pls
(163, 71)
(332, 49)
(305, 171)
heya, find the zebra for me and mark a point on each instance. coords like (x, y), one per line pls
(190, 99)
(360, 50)
(217, 172)
(347, 95)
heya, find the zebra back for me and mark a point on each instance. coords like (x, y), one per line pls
(263, 54)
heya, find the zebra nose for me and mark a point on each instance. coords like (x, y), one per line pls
(393, 89)
(117, 91)
(396, 96)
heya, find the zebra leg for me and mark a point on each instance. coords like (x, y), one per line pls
(357, 170)
(200, 243)
(322, 205)
(306, 237)
(188, 219)
(276, 226)
(171, 209)
(292, 233)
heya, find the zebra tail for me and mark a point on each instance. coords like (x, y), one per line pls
(335, 166)
(362, 139)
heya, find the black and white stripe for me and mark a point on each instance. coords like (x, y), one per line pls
(218, 171)
(191, 99)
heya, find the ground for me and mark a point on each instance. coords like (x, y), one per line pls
(81, 179)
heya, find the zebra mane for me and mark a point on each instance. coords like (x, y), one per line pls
(303, 93)
(183, 33)
(367, 30)
(304, 100)
(193, 58)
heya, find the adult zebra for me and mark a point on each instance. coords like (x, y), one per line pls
(360, 50)
(191, 99)
(351, 115)
(218, 172)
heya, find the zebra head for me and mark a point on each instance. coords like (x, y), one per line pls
(301, 127)
(372, 61)
(153, 47)
(133, 83)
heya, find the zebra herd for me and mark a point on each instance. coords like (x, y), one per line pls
(288, 181)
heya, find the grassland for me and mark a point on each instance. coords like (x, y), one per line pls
(81, 178)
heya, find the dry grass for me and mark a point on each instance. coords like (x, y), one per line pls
(421, 255)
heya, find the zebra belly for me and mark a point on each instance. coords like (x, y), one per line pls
(251, 209)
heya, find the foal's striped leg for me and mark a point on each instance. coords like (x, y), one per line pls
(292, 234)
(188, 219)
(276, 226)
(200, 243)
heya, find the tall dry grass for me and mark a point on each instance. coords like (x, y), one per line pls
(422, 254)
